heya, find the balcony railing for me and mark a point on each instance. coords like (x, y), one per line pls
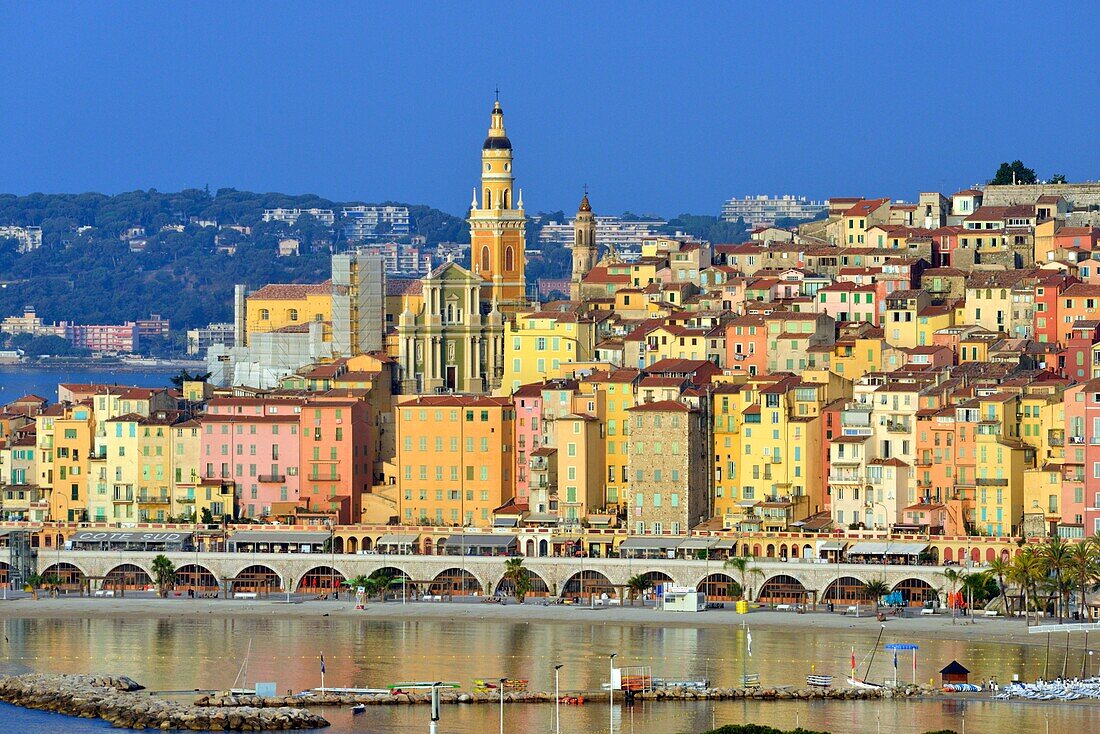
(332, 478)
(898, 427)
(272, 478)
(154, 499)
(991, 482)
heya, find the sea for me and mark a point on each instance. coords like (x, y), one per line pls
(19, 380)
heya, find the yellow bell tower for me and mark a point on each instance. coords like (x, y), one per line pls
(497, 225)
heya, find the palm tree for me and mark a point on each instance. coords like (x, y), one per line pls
(876, 589)
(1055, 556)
(518, 575)
(34, 581)
(1000, 568)
(638, 584)
(743, 566)
(1083, 571)
(954, 578)
(1025, 571)
(164, 574)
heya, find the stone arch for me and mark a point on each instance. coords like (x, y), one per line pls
(769, 552)
(353, 545)
(256, 579)
(529, 547)
(794, 550)
(782, 589)
(948, 554)
(127, 577)
(441, 546)
(807, 551)
(976, 555)
(337, 544)
(199, 578)
(915, 591)
(544, 548)
(658, 577)
(845, 590)
(719, 587)
(990, 555)
(70, 578)
(428, 546)
(455, 582)
(538, 585)
(367, 543)
(321, 579)
(587, 583)
(755, 550)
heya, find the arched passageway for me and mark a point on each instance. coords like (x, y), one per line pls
(321, 579)
(720, 587)
(583, 585)
(127, 577)
(197, 578)
(455, 582)
(256, 579)
(782, 589)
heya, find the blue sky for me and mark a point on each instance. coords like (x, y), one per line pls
(660, 108)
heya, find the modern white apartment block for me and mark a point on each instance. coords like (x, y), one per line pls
(29, 238)
(612, 232)
(290, 216)
(371, 222)
(763, 211)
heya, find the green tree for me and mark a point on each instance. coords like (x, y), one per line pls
(1025, 573)
(875, 589)
(638, 584)
(1058, 178)
(1000, 568)
(207, 516)
(164, 574)
(1014, 173)
(34, 581)
(1084, 571)
(519, 576)
(1056, 559)
(744, 566)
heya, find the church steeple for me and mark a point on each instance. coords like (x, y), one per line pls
(584, 246)
(498, 225)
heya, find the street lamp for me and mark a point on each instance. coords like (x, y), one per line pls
(502, 682)
(557, 699)
(332, 555)
(611, 695)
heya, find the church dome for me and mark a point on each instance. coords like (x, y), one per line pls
(500, 143)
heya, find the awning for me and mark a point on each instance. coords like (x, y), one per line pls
(505, 522)
(129, 539)
(724, 544)
(697, 543)
(480, 541)
(748, 503)
(400, 540)
(906, 549)
(541, 518)
(868, 548)
(832, 545)
(279, 537)
(658, 544)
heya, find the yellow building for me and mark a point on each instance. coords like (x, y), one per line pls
(537, 344)
(862, 349)
(454, 456)
(73, 436)
(281, 305)
(726, 410)
(114, 472)
(186, 469)
(860, 217)
(931, 319)
(156, 464)
(498, 225)
(1000, 465)
(580, 465)
(616, 392)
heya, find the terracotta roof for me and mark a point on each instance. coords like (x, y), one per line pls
(457, 401)
(292, 291)
(663, 406)
(864, 207)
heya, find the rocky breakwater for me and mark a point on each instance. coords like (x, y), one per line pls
(116, 700)
(785, 693)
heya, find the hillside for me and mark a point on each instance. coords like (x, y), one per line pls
(85, 273)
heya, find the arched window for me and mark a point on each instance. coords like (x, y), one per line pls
(485, 259)
(293, 314)
(264, 314)
(488, 199)
(507, 198)
(509, 260)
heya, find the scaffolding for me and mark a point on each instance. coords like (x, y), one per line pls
(22, 559)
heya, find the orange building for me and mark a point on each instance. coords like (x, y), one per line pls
(454, 456)
(335, 447)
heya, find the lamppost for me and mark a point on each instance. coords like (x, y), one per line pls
(557, 700)
(502, 682)
(332, 555)
(611, 695)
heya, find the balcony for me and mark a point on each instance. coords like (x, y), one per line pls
(186, 500)
(899, 427)
(1056, 441)
(1077, 439)
(333, 478)
(154, 499)
(846, 477)
(272, 478)
(989, 482)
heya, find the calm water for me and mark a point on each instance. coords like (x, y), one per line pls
(17, 381)
(206, 653)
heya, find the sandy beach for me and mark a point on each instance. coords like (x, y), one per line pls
(940, 625)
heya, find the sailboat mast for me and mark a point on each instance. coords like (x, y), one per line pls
(878, 639)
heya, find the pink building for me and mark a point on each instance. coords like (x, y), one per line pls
(120, 338)
(846, 301)
(528, 435)
(253, 443)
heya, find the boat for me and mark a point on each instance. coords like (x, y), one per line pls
(863, 683)
(359, 708)
(242, 676)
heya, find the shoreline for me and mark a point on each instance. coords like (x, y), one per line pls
(977, 629)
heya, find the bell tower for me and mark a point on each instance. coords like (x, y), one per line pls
(584, 246)
(497, 223)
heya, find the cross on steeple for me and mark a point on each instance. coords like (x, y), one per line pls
(497, 92)
(586, 189)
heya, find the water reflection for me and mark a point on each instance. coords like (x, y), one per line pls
(188, 653)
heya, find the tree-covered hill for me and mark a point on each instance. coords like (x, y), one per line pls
(85, 272)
